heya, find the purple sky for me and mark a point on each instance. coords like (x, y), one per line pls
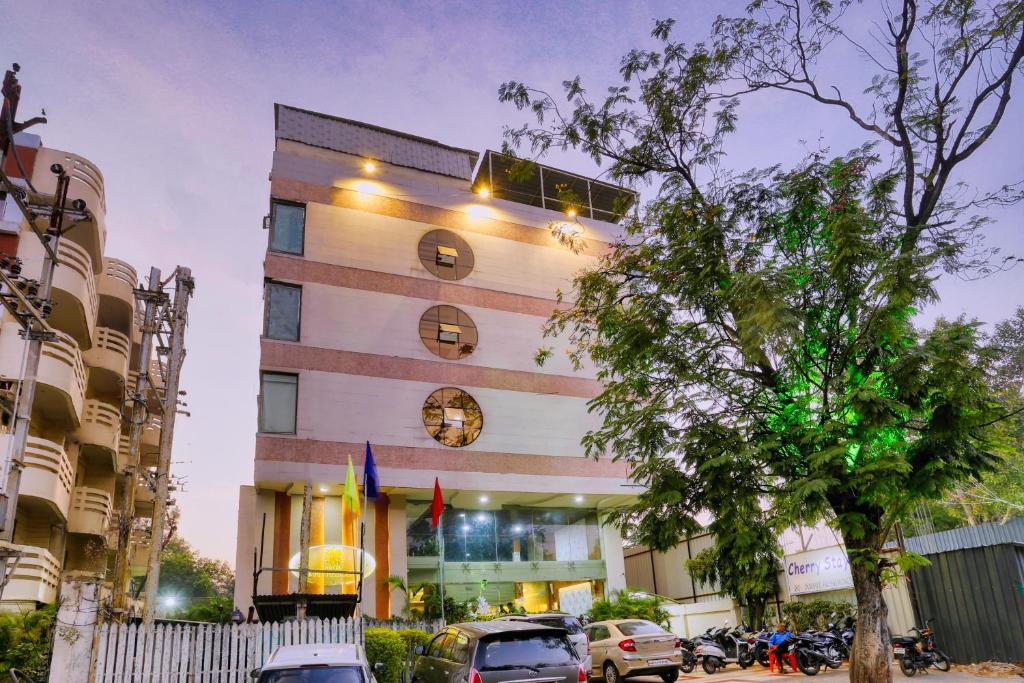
(173, 101)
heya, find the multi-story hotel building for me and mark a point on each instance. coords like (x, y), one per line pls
(77, 445)
(406, 284)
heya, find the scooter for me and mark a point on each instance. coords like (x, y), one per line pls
(717, 649)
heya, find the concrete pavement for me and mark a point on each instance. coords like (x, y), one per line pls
(734, 674)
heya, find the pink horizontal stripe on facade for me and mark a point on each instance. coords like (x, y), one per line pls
(298, 269)
(310, 451)
(299, 191)
(295, 356)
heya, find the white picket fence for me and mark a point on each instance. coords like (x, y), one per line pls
(204, 653)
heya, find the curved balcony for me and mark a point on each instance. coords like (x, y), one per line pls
(144, 498)
(151, 433)
(60, 391)
(90, 511)
(149, 455)
(142, 544)
(74, 287)
(47, 477)
(110, 352)
(35, 577)
(119, 281)
(87, 184)
(101, 425)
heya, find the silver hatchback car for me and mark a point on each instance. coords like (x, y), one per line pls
(499, 652)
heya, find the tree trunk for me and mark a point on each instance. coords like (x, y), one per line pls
(872, 652)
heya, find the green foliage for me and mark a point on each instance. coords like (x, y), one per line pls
(25, 641)
(388, 647)
(189, 576)
(413, 637)
(816, 614)
(430, 594)
(215, 609)
(627, 605)
(745, 564)
(755, 332)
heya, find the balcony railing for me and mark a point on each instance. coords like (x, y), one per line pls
(35, 577)
(47, 475)
(110, 351)
(76, 265)
(60, 367)
(101, 425)
(90, 511)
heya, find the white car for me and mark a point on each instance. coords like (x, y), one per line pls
(344, 663)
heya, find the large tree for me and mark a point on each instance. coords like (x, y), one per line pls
(755, 332)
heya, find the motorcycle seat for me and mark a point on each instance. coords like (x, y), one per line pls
(904, 640)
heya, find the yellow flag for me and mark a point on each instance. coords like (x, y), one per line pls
(350, 508)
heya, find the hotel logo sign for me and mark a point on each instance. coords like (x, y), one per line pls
(816, 571)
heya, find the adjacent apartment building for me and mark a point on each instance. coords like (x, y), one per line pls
(77, 444)
(406, 284)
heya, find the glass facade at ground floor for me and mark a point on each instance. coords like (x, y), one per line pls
(534, 558)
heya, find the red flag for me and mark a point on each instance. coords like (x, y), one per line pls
(437, 507)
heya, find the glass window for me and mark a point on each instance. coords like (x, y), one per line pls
(570, 624)
(279, 394)
(599, 633)
(452, 417)
(639, 628)
(282, 310)
(460, 648)
(439, 645)
(448, 332)
(320, 674)
(446, 255)
(287, 227)
(518, 649)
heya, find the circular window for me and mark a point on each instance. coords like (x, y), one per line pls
(452, 417)
(448, 332)
(446, 255)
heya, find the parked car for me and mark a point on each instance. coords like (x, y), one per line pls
(499, 651)
(317, 664)
(623, 648)
(572, 627)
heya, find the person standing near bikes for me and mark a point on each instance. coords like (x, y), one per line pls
(778, 648)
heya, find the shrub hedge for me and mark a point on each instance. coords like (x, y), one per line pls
(816, 614)
(388, 647)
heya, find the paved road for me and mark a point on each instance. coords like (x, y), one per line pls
(733, 674)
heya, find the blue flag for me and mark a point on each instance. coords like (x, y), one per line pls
(371, 483)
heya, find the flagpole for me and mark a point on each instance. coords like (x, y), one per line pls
(362, 535)
(440, 564)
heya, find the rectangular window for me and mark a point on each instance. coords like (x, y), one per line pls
(282, 309)
(279, 393)
(287, 227)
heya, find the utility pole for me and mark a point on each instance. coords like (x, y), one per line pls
(153, 297)
(28, 301)
(183, 286)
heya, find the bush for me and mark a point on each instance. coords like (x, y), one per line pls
(388, 647)
(25, 639)
(413, 637)
(625, 605)
(816, 614)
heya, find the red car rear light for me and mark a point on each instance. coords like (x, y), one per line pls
(474, 676)
(583, 675)
(628, 645)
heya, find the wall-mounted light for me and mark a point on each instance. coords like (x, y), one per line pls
(484, 191)
(578, 499)
(369, 166)
(571, 213)
(485, 499)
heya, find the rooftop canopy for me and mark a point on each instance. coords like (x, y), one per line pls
(551, 188)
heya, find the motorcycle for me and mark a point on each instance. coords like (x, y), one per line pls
(689, 659)
(758, 643)
(917, 652)
(717, 649)
(814, 650)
